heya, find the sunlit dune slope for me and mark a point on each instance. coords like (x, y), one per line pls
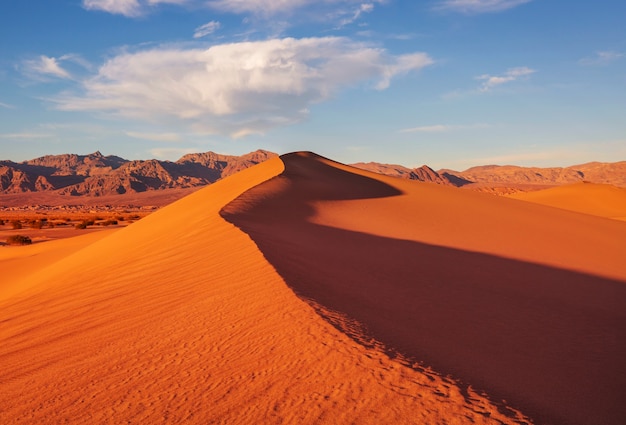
(596, 199)
(524, 301)
(178, 318)
(18, 262)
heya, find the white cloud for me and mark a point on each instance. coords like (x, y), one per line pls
(426, 129)
(238, 88)
(6, 105)
(363, 8)
(602, 58)
(156, 137)
(442, 128)
(46, 66)
(134, 8)
(129, 8)
(171, 153)
(206, 29)
(512, 74)
(479, 6)
(24, 135)
(268, 7)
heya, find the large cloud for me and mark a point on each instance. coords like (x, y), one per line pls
(237, 88)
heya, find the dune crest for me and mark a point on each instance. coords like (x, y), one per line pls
(523, 301)
(178, 318)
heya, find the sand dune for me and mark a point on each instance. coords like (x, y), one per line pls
(179, 318)
(17, 263)
(602, 200)
(523, 301)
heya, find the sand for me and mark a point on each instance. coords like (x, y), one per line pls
(602, 200)
(181, 318)
(524, 301)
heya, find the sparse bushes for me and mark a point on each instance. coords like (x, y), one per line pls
(83, 224)
(37, 224)
(18, 240)
(109, 222)
(16, 224)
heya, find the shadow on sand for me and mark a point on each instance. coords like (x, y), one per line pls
(551, 342)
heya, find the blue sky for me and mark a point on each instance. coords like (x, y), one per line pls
(448, 83)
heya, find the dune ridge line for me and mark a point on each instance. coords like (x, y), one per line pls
(178, 318)
(523, 301)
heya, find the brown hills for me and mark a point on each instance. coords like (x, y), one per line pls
(305, 291)
(98, 175)
(509, 178)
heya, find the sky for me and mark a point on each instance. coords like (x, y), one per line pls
(447, 83)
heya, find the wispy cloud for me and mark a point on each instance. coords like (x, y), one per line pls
(129, 8)
(155, 137)
(512, 74)
(268, 7)
(602, 58)
(206, 29)
(171, 153)
(478, 6)
(6, 105)
(356, 14)
(442, 128)
(46, 66)
(25, 135)
(135, 8)
(237, 88)
(438, 128)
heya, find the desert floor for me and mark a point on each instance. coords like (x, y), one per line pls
(305, 291)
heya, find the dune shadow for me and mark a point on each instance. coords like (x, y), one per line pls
(551, 342)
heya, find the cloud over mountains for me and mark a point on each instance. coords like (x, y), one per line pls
(237, 88)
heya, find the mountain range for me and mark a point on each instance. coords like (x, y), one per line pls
(98, 175)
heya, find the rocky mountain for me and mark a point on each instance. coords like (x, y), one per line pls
(595, 172)
(423, 173)
(508, 178)
(99, 175)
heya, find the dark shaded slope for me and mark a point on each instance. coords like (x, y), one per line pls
(549, 341)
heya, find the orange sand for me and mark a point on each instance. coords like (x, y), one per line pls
(179, 318)
(596, 199)
(521, 300)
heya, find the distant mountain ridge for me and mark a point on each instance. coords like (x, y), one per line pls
(506, 178)
(98, 175)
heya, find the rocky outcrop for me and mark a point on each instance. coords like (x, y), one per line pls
(423, 173)
(99, 175)
(595, 172)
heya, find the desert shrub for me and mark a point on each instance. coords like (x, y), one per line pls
(109, 222)
(83, 224)
(16, 224)
(36, 224)
(1, 222)
(18, 240)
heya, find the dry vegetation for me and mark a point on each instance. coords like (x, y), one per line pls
(41, 226)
